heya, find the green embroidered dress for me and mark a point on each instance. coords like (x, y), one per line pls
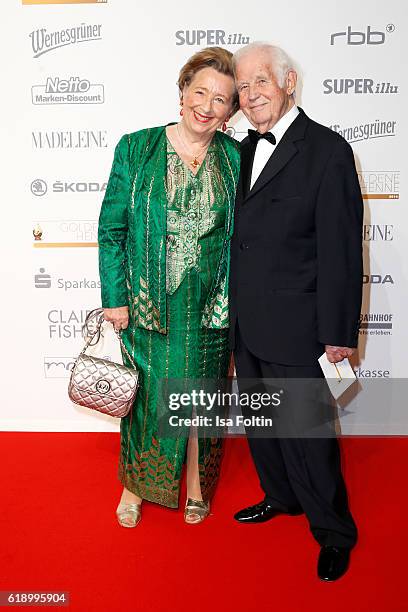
(164, 251)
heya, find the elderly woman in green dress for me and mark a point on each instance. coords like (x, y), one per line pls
(164, 233)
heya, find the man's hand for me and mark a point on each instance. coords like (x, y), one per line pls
(337, 353)
(119, 317)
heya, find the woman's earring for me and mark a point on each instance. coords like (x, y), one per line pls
(181, 109)
(224, 127)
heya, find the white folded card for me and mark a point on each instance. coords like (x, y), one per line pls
(340, 376)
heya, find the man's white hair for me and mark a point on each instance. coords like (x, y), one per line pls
(280, 61)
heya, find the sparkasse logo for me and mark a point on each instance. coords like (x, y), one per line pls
(368, 373)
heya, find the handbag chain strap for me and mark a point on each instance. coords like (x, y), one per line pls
(97, 315)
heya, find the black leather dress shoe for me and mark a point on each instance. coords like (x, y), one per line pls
(333, 562)
(262, 512)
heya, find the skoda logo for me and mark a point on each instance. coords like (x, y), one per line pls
(103, 386)
(38, 187)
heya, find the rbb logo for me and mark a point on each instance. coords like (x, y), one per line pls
(371, 37)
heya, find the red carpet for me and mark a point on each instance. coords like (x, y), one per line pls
(59, 533)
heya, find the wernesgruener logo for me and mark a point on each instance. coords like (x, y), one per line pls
(43, 41)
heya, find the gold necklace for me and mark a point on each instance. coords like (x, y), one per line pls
(194, 162)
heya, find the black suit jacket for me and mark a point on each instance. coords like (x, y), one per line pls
(296, 252)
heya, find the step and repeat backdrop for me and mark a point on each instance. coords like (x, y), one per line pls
(82, 73)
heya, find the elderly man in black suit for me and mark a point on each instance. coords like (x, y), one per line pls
(295, 287)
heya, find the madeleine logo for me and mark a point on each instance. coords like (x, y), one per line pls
(64, 1)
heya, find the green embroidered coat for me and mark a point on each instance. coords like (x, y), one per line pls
(132, 230)
(155, 209)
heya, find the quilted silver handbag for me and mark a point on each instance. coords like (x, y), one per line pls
(100, 384)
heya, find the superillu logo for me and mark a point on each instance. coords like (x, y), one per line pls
(210, 37)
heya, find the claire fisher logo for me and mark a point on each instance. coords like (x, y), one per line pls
(366, 131)
(43, 42)
(67, 91)
(39, 187)
(368, 36)
(380, 184)
(64, 324)
(210, 38)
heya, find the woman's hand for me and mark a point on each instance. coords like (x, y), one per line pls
(119, 317)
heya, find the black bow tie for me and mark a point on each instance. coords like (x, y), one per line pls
(254, 136)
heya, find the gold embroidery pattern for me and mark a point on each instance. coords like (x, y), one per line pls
(191, 214)
(210, 469)
(144, 312)
(151, 476)
(216, 313)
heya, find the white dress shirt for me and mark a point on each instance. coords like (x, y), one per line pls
(264, 148)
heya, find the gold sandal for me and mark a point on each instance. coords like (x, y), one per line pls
(196, 508)
(129, 515)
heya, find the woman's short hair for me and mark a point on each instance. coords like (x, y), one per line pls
(212, 57)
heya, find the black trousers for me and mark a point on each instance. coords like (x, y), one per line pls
(299, 473)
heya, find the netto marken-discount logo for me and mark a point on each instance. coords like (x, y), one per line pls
(67, 91)
(44, 42)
